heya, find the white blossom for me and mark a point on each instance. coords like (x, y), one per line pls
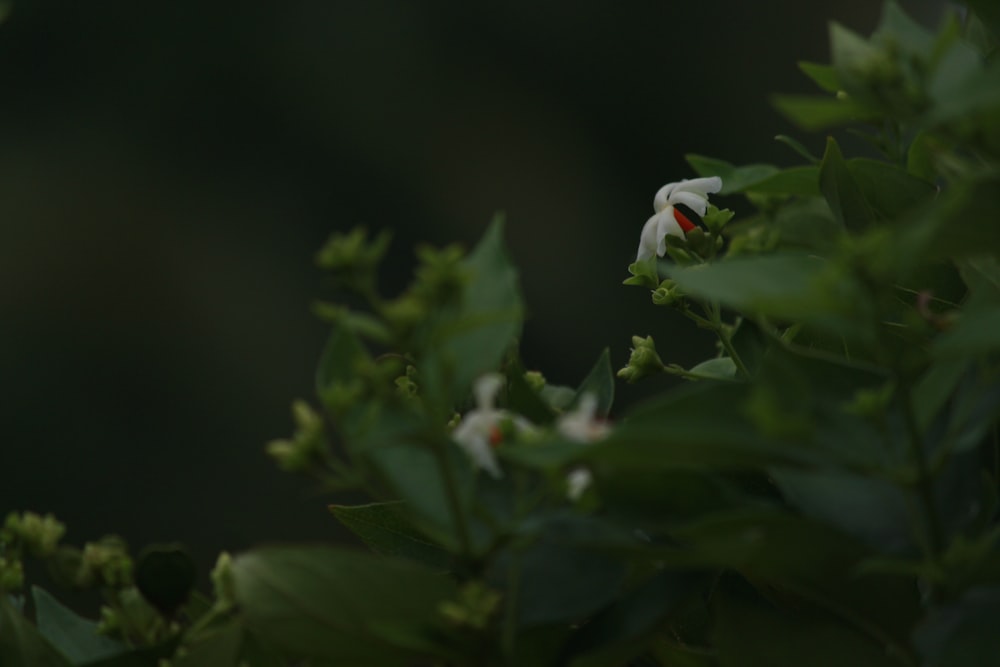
(577, 482)
(582, 425)
(479, 431)
(668, 220)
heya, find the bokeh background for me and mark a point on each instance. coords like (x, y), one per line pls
(167, 171)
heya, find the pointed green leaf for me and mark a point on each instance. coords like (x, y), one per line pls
(340, 360)
(887, 189)
(600, 382)
(796, 287)
(824, 76)
(21, 644)
(334, 606)
(387, 530)
(963, 633)
(841, 190)
(812, 112)
(75, 637)
(474, 339)
(765, 635)
(217, 648)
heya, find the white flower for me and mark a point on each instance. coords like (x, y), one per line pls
(668, 220)
(582, 425)
(577, 482)
(479, 431)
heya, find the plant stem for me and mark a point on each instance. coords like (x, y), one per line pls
(925, 488)
(451, 491)
(714, 312)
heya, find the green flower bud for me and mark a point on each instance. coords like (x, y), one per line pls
(406, 385)
(643, 361)
(352, 258)
(666, 294)
(306, 444)
(110, 623)
(473, 607)
(106, 562)
(535, 380)
(39, 534)
(222, 580)
(715, 219)
(440, 276)
(11, 575)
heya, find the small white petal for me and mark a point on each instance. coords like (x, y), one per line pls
(666, 224)
(473, 435)
(577, 482)
(662, 198)
(696, 202)
(647, 240)
(703, 186)
(486, 389)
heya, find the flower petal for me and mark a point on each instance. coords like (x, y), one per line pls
(486, 388)
(703, 186)
(665, 224)
(647, 240)
(696, 202)
(662, 198)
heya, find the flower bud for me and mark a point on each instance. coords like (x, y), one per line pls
(535, 380)
(643, 361)
(666, 294)
(11, 575)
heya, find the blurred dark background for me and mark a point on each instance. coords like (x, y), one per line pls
(167, 171)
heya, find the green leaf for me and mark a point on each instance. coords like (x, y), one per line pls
(734, 179)
(643, 273)
(221, 647)
(974, 335)
(752, 634)
(957, 224)
(871, 509)
(811, 112)
(600, 383)
(75, 637)
(962, 87)
(522, 399)
(962, 634)
(988, 12)
(797, 146)
(720, 368)
(842, 191)
(152, 656)
(22, 644)
(803, 558)
(794, 287)
(340, 360)
(559, 579)
(801, 181)
(898, 28)
(386, 529)
(331, 605)
(824, 76)
(889, 190)
(620, 633)
(414, 474)
(474, 339)
(695, 426)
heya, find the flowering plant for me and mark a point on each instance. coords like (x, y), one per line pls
(822, 491)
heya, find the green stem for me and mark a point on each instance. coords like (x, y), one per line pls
(451, 491)
(714, 312)
(924, 487)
